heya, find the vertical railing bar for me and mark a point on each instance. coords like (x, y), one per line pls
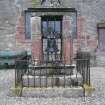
(64, 75)
(18, 74)
(76, 78)
(25, 70)
(46, 76)
(52, 81)
(15, 73)
(86, 71)
(40, 77)
(28, 77)
(83, 76)
(80, 64)
(34, 76)
(89, 71)
(22, 71)
(70, 78)
(57, 80)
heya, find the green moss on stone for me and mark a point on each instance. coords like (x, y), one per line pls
(35, 3)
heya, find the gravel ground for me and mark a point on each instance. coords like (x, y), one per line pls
(97, 98)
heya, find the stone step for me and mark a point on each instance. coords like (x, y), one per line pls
(46, 71)
(42, 81)
(53, 92)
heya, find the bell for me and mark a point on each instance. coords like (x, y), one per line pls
(51, 46)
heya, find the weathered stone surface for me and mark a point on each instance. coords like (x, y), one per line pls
(92, 13)
(54, 92)
(9, 14)
(50, 81)
(100, 58)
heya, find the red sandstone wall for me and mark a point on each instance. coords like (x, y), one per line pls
(69, 50)
(21, 43)
(67, 41)
(37, 49)
(84, 41)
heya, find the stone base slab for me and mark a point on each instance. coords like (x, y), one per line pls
(53, 92)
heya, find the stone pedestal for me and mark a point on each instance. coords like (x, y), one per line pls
(67, 40)
(36, 38)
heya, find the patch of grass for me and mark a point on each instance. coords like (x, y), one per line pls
(35, 3)
(17, 90)
(89, 89)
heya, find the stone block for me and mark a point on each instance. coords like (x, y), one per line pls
(49, 81)
(53, 92)
(39, 81)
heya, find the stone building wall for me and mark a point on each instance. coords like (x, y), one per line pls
(9, 16)
(90, 12)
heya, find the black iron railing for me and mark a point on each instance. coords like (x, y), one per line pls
(27, 75)
(83, 66)
(52, 75)
(38, 74)
(43, 75)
